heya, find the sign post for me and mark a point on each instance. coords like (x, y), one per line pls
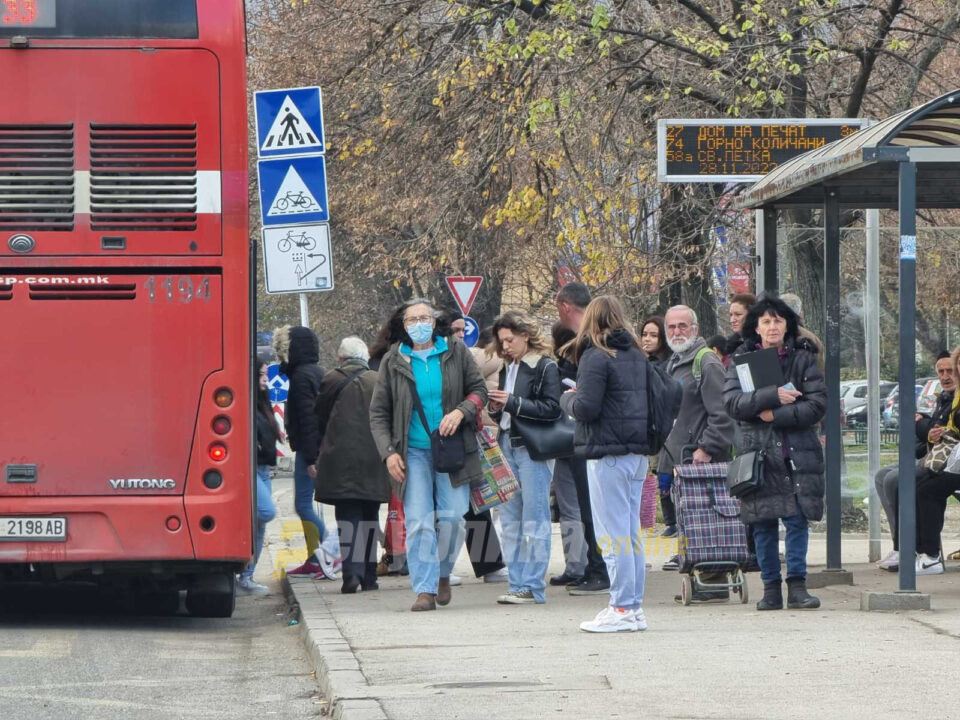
(292, 175)
(464, 289)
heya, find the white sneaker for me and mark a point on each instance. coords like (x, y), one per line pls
(455, 580)
(611, 620)
(497, 576)
(640, 619)
(891, 562)
(927, 565)
(329, 564)
(246, 586)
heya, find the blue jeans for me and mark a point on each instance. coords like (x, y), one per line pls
(313, 528)
(766, 534)
(266, 511)
(434, 520)
(616, 488)
(525, 520)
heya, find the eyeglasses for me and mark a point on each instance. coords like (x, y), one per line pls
(421, 319)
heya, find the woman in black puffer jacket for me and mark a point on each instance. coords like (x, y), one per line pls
(610, 407)
(783, 423)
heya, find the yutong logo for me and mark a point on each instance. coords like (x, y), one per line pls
(143, 484)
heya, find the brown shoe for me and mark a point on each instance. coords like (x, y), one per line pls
(425, 601)
(444, 595)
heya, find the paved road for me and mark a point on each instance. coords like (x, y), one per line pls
(63, 657)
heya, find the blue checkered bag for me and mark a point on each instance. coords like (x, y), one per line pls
(708, 519)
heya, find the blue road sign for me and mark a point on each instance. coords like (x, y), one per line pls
(289, 122)
(293, 190)
(277, 384)
(471, 332)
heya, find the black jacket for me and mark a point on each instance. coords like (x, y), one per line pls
(793, 471)
(940, 418)
(266, 440)
(568, 371)
(610, 404)
(536, 393)
(302, 366)
(349, 466)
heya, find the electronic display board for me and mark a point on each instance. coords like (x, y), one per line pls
(739, 150)
(28, 13)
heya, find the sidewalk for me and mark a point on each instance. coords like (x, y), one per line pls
(477, 659)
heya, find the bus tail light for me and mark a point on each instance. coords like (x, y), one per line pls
(221, 425)
(223, 397)
(173, 523)
(212, 479)
(218, 452)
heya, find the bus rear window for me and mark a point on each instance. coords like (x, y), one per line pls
(99, 18)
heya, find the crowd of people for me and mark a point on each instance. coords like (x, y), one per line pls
(397, 423)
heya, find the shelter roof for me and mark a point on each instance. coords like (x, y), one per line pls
(862, 168)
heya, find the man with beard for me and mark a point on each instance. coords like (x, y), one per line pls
(703, 423)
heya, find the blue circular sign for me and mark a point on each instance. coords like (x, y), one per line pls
(471, 332)
(277, 384)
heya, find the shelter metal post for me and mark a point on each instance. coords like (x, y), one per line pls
(908, 350)
(766, 220)
(831, 277)
(871, 327)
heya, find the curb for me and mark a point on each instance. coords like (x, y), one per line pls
(342, 683)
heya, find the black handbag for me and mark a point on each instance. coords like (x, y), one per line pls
(448, 453)
(745, 472)
(546, 439)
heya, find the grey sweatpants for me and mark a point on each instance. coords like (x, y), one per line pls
(887, 482)
(571, 529)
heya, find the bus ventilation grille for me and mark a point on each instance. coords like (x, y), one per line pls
(126, 291)
(143, 177)
(36, 177)
(6, 292)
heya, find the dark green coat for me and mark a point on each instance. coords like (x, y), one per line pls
(349, 467)
(392, 405)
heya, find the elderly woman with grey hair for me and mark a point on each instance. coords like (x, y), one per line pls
(350, 475)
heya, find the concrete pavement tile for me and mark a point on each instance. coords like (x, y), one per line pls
(477, 659)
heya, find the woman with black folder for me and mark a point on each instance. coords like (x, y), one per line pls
(779, 422)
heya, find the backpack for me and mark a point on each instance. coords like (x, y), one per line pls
(664, 395)
(698, 365)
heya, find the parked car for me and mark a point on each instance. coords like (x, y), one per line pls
(927, 402)
(853, 401)
(891, 407)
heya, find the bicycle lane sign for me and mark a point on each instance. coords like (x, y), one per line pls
(297, 258)
(293, 190)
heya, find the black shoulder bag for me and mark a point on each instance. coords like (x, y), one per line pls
(745, 472)
(546, 439)
(448, 453)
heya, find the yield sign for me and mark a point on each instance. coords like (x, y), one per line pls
(464, 290)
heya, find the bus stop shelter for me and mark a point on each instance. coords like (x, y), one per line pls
(906, 162)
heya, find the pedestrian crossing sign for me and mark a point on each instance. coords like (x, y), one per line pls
(293, 190)
(289, 121)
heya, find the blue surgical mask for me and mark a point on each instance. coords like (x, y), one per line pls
(420, 333)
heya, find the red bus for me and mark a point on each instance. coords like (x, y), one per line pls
(125, 298)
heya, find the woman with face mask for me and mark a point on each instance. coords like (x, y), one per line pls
(442, 374)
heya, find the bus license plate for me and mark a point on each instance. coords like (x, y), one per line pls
(33, 528)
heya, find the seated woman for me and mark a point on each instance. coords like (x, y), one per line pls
(781, 422)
